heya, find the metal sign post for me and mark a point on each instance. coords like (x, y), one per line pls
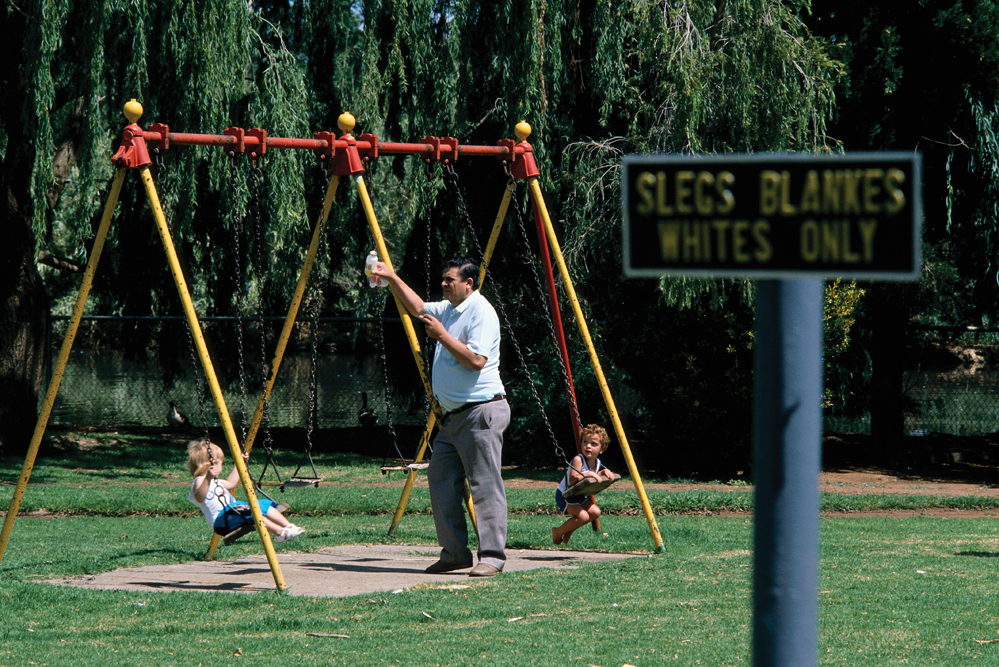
(790, 220)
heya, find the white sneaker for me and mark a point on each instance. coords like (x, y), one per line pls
(284, 536)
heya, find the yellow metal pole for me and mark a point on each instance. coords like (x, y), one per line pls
(61, 361)
(213, 383)
(289, 324)
(407, 322)
(597, 371)
(296, 302)
(411, 475)
(494, 235)
(414, 343)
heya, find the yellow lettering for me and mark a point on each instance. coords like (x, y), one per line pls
(832, 202)
(739, 254)
(811, 201)
(769, 195)
(785, 195)
(896, 198)
(643, 188)
(849, 256)
(691, 242)
(830, 242)
(872, 188)
(851, 191)
(721, 235)
(684, 191)
(809, 241)
(723, 182)
(867, 229)
(764, 251)
(669, 241)
(703, 202)
(662, 207)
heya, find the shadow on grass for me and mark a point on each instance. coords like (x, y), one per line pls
(978, 554)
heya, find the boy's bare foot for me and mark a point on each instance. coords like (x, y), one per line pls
(556, 538)
(566, 536)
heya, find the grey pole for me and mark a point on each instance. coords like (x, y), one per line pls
(787, 442)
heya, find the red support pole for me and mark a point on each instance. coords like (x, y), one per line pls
(546, 262)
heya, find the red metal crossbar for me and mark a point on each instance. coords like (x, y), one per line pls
(346, 152)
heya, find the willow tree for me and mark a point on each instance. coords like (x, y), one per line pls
(594, 79)
(922, 76)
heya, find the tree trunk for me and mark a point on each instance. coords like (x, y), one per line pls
(888, 361)
(24, 313)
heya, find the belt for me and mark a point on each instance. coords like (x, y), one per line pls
(469, 406)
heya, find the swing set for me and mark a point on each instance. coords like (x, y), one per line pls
(346, 157)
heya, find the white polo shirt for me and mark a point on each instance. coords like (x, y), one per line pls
(474, 323)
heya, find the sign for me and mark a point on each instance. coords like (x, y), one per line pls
(776, 215)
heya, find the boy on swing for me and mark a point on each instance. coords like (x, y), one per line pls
(212, 494)
(593, 441)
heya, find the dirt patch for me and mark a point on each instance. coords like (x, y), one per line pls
(332, 572)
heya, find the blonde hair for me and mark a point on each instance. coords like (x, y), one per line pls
(599, 431)
(198, 456)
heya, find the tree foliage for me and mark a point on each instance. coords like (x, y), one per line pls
(595, 80)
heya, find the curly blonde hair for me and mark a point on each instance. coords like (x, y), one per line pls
(198, 456)
(599, 431)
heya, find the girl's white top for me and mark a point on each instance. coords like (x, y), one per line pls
(217, 500)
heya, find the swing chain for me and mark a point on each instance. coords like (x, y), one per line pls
(315, 306)
(388, 387)
(258, 176)
(199, 390)
(428, 347)
(494, 292)
(161, 168)
(548, 315)
(238, 286)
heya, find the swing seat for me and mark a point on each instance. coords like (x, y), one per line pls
(303, 481)
(294, 482)
(587, 487)
(421, 465)
(249, 527)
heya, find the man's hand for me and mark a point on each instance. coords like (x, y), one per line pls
(383, 271)
(434, 327)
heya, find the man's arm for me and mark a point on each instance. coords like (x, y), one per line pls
(410, 299)
(458, 350)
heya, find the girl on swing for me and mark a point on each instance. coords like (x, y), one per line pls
(593, 441)
(212, 494)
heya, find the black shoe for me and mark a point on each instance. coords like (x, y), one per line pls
(441, 567)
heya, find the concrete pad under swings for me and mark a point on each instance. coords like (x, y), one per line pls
(331, 572)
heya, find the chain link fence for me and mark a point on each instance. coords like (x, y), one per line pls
(950, 384)
(133, 384)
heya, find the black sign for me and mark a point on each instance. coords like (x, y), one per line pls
(776, 215)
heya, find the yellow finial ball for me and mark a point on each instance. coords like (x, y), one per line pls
(133, 110)
(346, 122)
(522, 130)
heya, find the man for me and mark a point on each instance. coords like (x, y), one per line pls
(469, 445)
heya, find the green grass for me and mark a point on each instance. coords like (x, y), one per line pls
(893, 591)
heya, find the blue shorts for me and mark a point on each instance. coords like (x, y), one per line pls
(238, 514)
(561, 502)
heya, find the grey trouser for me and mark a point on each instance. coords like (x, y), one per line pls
(469, 446)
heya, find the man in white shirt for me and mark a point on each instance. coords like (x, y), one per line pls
(469, 445)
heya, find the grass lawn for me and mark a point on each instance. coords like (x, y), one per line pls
(893, 591)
